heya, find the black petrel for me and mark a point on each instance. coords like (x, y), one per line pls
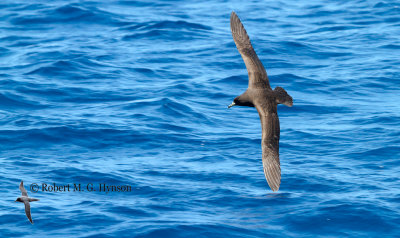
(260, 95)
(25, 199)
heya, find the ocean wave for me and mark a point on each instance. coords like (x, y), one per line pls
(69, 13)
(136, 93)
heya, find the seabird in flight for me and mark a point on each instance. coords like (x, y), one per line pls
(25, 199)
(260, 95)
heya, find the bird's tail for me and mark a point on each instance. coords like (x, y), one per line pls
(33, 199)
(283, 97)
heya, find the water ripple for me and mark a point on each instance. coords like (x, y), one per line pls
(136, 93)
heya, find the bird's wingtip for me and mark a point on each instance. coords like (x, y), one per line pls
(275, 189)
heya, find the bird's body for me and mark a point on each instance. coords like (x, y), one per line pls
(260, 95)
(26, 200)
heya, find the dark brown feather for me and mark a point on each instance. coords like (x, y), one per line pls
(257, 75)
(23, 190)
(270, 143)
(28, 211)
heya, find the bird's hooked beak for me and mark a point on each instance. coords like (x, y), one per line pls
(233, 104)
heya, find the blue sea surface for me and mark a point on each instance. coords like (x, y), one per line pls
(136, 93)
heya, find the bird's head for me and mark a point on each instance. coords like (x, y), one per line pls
(242, 100)
(234, 103)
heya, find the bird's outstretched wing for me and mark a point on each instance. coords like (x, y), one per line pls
(23, 190)
(270, 144)
(28, 211)
(257, 74)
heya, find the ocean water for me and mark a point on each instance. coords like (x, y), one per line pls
(135, 93)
